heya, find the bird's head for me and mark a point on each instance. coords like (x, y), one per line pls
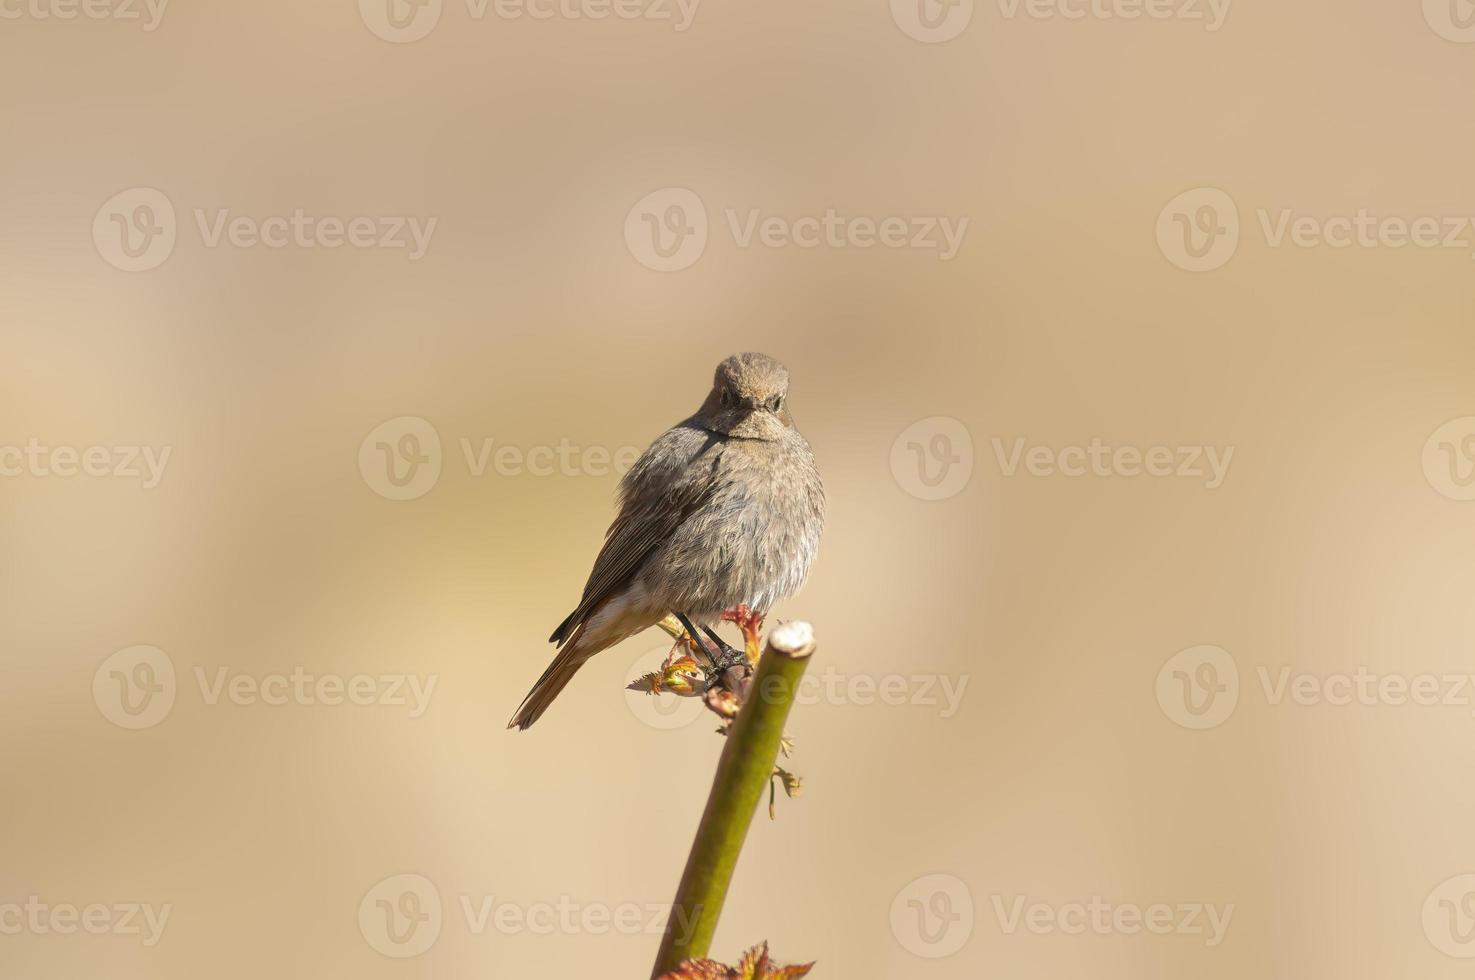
(749, 398)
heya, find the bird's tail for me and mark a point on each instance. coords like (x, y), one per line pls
(553, 681)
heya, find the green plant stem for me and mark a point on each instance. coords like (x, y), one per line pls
(743, 774)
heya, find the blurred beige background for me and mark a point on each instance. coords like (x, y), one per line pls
(1077, 764)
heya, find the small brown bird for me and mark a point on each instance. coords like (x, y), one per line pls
(724, 510)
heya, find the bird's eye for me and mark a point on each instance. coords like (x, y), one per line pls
(729, 400)
(776, 403)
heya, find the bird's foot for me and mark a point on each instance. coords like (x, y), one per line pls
(726, 657)
(714, 650)
(751, 623)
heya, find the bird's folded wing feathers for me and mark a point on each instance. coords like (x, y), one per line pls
(658, 494)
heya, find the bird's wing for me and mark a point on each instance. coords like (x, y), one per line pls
(669, 481)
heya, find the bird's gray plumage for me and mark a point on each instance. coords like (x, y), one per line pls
(724, 509)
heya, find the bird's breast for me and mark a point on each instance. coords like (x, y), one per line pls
(753, 540)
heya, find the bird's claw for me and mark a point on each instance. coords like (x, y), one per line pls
(751, 623)
(718, 654)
